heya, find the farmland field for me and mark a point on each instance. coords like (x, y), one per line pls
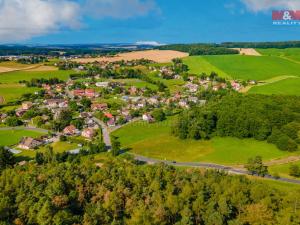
(15, 77)
(9, 92)
(289, 86)
(160, 56)
(290, 53)
(198, 65)
(254, 67)
(156, 141)
(12, 137)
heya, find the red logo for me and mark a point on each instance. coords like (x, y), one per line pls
(286, 15)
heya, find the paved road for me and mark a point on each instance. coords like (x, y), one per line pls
(25, 128)
(105, 132)
(210, 166)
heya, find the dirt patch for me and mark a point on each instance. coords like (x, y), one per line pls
(160, 56)
(283, 161)
(2, 100)
(248, 51)
(6, 69)
(42, 68)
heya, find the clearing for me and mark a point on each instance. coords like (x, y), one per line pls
(160, 56)
(154, 140)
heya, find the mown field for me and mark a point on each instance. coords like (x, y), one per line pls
(289, 53)
(155, 140)
(243, 67)
(289, 86)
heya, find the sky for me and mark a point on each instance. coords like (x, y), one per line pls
(130, 21)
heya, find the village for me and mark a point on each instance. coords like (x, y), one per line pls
(100, 97)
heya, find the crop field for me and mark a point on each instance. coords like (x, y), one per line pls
(160, 56)
(9, 92)
(15, 77)
(156, 141)
(289, 53)
(198, 65)
(289, 86)
(254, 67)
(12, 137)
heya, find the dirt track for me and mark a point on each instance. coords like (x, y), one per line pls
(160, 56)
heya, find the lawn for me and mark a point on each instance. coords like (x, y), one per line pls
(12, 137)
(155, 140)
(9, 92)
(198, 65)
(290, 53)
(290, 86)
(16, 76)
(254, 67)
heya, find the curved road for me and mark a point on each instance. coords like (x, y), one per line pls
(209, 166)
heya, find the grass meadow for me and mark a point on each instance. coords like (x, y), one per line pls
(289, 86)
(289, 53)
(12, 137)
(155, 140)
(9, 92)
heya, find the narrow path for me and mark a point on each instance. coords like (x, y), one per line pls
(105, 132)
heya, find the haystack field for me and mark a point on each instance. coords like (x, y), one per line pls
(159, 56)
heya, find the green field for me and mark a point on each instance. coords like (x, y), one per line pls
(155, 140)
(289, 53)
(9, 92)
(12, 137)
(198, 65)
(283, 170)
(254, 67)
(289, 86)
(16, 76)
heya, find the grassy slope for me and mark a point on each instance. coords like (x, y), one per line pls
(283, 170)
(253, 67)
(13, 91)
(290, 86)
(155, 140)
(198, 64)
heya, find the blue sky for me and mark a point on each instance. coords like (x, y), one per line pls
(128, 21)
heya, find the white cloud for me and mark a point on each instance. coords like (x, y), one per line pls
(264, 5)
(120, 9)
(24, 19)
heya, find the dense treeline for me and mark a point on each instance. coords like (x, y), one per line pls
(200, 49)
(283, 44)
(272, 118)
(120, 192)
(39, 82)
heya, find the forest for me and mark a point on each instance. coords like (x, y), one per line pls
(272, 118)
(200, 49)
(119, 191)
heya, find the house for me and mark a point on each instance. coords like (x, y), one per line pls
(27, 105)
(70, 130)
(56, 103)
(183, 104)
(20, 112)
(111, 122)
(88, 133)
(99, 106)
(29, 143)
(90, 93)
(79, 92)
(108, 115)
(133, 90)
(191, 87)
(102, 84)
(147, 117)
